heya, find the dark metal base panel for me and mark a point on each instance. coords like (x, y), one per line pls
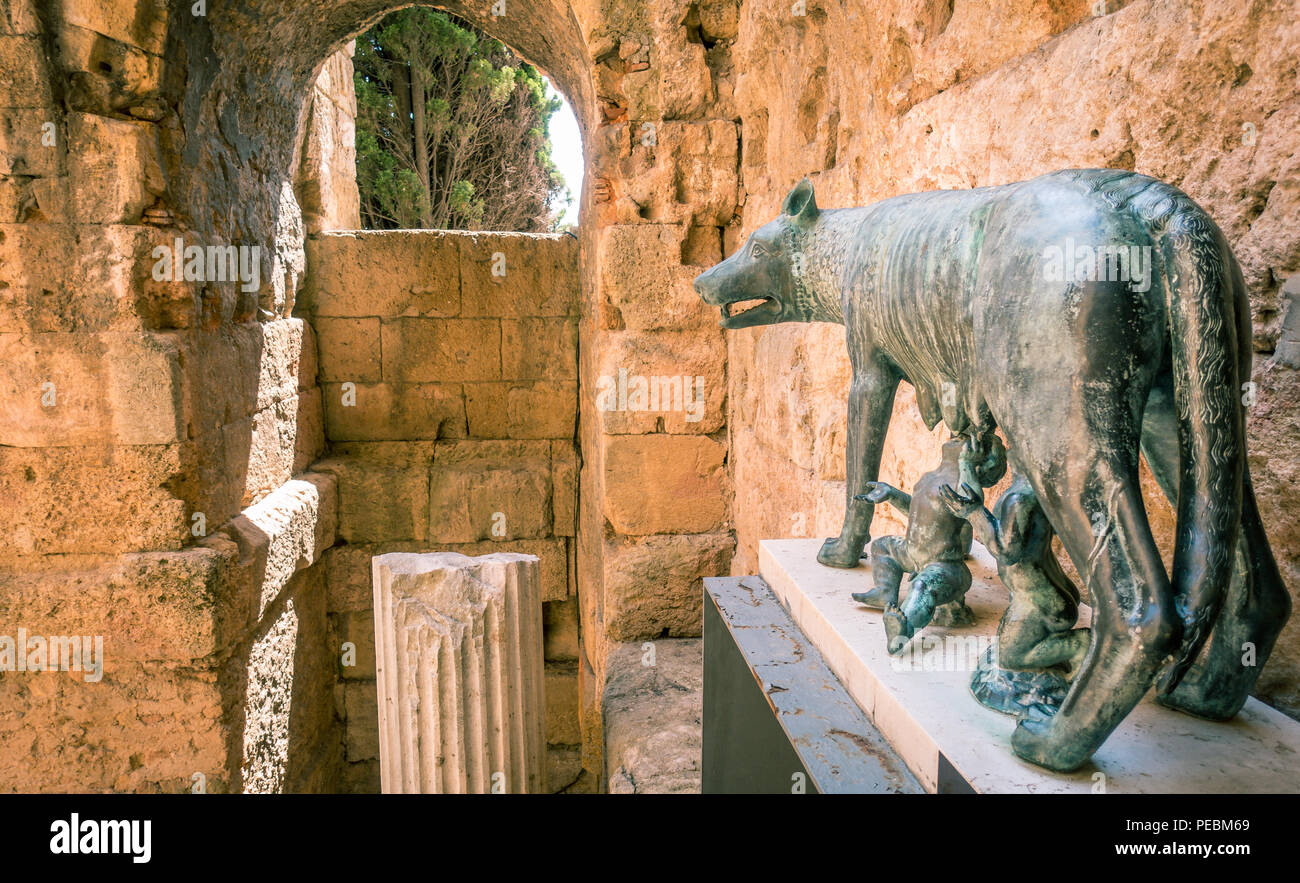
(776, 720)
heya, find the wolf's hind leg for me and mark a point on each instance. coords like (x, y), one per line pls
(1257, 604)
(1091, 491)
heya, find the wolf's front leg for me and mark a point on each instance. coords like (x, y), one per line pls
(871, 402)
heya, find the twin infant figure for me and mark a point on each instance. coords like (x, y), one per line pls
(943, 511)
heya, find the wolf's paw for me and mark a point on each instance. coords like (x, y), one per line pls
(1043, 742)
(835, 552)
(1218, 705)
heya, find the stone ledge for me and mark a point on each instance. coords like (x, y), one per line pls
(653, 717)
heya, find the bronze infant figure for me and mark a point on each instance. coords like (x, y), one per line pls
(1038, 650)
(934, 547)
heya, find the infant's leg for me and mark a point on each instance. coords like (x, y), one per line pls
(937, 583)
(1019, 632)
(886, 571)
(934, 584)
(1063, 647)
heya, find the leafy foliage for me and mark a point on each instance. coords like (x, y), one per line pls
(452, 129)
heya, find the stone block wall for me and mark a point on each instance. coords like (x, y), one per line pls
(214, 672)
(662, 147)
(186, 399)
(216, 126)
(448, 363)
(149, 432)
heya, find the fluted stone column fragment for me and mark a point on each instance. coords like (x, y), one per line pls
(458, 657)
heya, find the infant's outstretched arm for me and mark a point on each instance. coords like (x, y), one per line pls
(1004, 539)
(988, 531)
(881, 492)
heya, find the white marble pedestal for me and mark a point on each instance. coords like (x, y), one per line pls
(924, 707)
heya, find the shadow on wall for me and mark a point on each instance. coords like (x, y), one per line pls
(283, 734)
(277, 668)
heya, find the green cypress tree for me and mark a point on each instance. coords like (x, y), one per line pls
(452, 129)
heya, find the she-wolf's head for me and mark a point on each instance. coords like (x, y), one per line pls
(768, 269)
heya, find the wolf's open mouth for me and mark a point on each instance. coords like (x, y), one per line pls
(743, 306)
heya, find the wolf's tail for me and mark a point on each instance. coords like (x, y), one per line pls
(1203, 294)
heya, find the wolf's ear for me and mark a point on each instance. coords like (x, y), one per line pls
(800, 204)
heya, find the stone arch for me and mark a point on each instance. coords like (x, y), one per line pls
(554, 46)
(242, 78)
(506, 437)
(574, 83)
(189, 443)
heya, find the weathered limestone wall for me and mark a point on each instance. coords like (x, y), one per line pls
(451, 410)
(278, 684)
(662, 149)
(216, 673)
(182, 404)
(149, 430)
(873, 100)
(183, 397)
(220, 93)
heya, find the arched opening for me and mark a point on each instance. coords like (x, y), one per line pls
(448, 368)
(654, 515)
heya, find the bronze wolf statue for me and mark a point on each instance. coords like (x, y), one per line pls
(1090, 314)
